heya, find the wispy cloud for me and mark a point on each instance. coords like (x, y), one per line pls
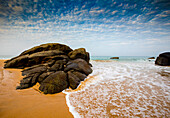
(87, 22)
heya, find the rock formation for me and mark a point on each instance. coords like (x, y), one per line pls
(151, 58)
(163, 59)
(114, 58)
(55, 66)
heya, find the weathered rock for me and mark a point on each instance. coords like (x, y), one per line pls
(80, 75)
(163, 59)
(35, 69)
(79, 53)
(17, 62)
(59, 65)
(45, 53)
(28, 81)
(114, 58)
(54, 83)
(55, 66)
(35, 58)
(46, 47)
(61, 57)
(74, 78)
(43, 76)
(74, 81)
(78, 65)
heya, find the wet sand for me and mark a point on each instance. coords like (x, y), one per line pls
(122, 90)
(28, 103)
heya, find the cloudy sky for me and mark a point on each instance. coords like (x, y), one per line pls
(103, 27)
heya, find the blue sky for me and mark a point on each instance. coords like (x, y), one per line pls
(103, 27)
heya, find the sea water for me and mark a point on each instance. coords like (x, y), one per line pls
(123, 58)
(122, 88)
(7, 56)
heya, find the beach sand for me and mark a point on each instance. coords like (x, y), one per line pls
(28, 103)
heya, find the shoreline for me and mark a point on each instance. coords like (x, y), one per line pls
(28, 102)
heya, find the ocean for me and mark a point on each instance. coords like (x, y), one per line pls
(7, 56)
(127, 87)
(122, 58)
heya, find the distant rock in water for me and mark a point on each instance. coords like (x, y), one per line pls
(114, 58)
(151, 58)
(163, 59)
(55, 66)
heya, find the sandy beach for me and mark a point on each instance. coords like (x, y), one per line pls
(28, 103)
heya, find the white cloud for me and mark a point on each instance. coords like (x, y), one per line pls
(152, 12)
(97, 11)
(17, 8)
(114, 12)
(166, 24)
(83, 6)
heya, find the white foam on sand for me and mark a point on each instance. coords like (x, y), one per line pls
(123, 89)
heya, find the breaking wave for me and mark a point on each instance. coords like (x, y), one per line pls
(122, 89)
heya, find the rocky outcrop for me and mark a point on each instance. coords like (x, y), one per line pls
(114, 58)
(39, 55)
(163, 59)
(55, 66)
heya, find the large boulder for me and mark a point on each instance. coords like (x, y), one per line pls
(78, 65)
(74, 78)
(46, 47)
(38, 55)
(79, 53)
(163, 59)
(54, 66)
(35, 58)
(54, 83)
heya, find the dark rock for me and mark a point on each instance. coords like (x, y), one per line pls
(28, 81)
(79, 53)
(35, 78)
(74, 81)
(54, 83)
(50, 63)
(61, 57)
(74, 78)
(43, 76)
(163, 59)
(25, 83)
(23, 86)
(78, 65)
(114, 58)
(35, 58)
(80, 75)
(151, 58)
(46, 47)
(46, 53)
(55, 66)
(34, 69)
(59, 65)
(17, 62)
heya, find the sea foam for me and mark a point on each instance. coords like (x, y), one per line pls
(122, 89)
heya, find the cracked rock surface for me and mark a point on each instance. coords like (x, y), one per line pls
(55, 66)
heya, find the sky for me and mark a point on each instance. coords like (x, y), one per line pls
(103, 27)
